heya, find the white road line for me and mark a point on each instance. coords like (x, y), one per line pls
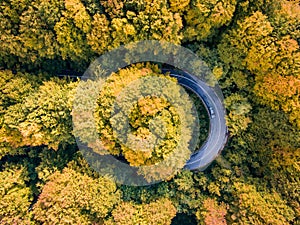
(215, 128)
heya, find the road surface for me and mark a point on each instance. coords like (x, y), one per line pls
(218, 132)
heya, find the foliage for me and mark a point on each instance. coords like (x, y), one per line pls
(142, 20)
(52, 161)
(235, 44)
(260, 208)
(280, 93)
(179, 5)
(150, 119)
(277, 152)
(213, 214)
(15, 88)
(252, 48)
(274, 61)
(99, 36)
(43, 118)
(285, 18)
(71, 29)
(33, 32)
(71, 197)
(159, 212)
(237, 119)
(205, 17)
(15, 196)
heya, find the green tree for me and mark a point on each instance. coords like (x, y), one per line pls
(10, 42)
(37, 29)
(122, 32)
(134, 21)
(14, 89)
(273, 143)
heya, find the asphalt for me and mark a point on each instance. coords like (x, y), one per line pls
(218, 132)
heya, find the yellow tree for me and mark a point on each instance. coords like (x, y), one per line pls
(159, 212)
(15, 197)
(205, 17)
(71, 197)
(42, 118)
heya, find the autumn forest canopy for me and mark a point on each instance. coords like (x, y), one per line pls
(251, 46)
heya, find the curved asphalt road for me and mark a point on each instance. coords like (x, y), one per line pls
(218, 132)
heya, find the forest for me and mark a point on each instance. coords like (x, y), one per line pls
(251, 46)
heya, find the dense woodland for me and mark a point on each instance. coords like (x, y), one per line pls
(251, 46)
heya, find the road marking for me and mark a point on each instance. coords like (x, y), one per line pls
(216, 126)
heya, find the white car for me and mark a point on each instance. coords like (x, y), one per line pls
(212, 113)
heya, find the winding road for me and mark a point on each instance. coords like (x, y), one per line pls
(218, 132)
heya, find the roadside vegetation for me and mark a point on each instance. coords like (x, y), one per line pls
(252, 47)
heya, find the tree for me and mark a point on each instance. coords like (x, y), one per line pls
(15, 196)
(179, 5)
(10, 42)
(214, 214)
(252, 49)
(273, 143)
(114, 8)
(14, 89)
(161, 212)
(134, 21)
(235, 44)
(43, 118)
(71, 31)
(36, 29)
(260, 207)
(99, 37)
(122, 32)
(285, 18)
(155, 131)
(272, 60)
(276, 64)
(238, 107)
(281, 93)
(72, 197)
(205, 17)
